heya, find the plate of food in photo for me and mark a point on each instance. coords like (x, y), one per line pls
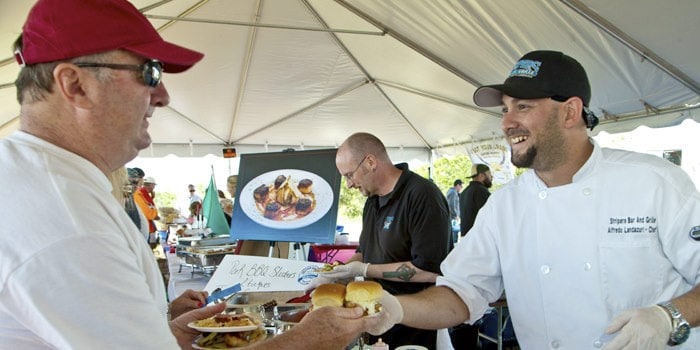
(286, 198)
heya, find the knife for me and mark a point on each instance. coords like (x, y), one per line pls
(224, 293)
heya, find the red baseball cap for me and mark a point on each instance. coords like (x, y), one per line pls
(64, 29)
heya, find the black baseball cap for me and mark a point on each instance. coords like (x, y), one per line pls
(539, 74)
(135, 172)
(479, 169)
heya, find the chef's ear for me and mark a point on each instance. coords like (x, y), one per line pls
(573, 108)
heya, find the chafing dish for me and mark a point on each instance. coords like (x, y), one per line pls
(203, 257)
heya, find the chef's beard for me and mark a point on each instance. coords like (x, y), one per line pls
(524, 160)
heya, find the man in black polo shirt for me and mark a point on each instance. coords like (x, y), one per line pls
(405, 228)
(474, 196)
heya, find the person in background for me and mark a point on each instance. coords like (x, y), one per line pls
(144, 198)
(474, 196)
(195, 213)
(227, 207)
(452, 196)
(80, 277)
(135, 180)
(120, 185)
(405, 229)
(596, 247)
(121, 188)
(194, 197)
(231, 183)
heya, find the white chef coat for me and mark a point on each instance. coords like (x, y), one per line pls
(75, 273)
(623, 235)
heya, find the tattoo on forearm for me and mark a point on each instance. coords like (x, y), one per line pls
(404, 273)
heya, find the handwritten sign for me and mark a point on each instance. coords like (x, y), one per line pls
(262, 274)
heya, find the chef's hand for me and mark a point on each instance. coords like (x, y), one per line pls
(349, 270)
(187, 301)
(186, 335)
(391, 314)
(640, 329)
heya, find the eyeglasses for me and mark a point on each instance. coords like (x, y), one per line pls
(349, 176)
(151, 71)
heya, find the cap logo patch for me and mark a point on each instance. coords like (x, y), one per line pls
(526, 69)
(695, 233)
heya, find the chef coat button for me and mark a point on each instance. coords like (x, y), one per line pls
(586, 266)
(597, 344)
(554, 344)
(542, 194)
(545, 269)
(587, 191)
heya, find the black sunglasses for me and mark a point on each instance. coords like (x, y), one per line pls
(151, 71)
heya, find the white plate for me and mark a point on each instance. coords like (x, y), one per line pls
(222, 329)
(197, 347)
(323, 194)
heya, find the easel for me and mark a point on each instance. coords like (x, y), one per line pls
(264, 248)
(299, 251)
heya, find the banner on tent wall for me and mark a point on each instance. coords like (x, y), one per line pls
(495, 154)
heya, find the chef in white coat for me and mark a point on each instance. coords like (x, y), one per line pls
(596, 248)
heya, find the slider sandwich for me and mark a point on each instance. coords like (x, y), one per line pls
(366, 294)
(329, 294)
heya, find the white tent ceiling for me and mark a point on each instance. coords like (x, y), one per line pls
(308, 73)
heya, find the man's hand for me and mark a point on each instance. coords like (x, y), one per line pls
(350, 270)
(187, 301)
(186, 335)
(640, 329)
(391, 314)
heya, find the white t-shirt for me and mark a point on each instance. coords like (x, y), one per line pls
(624, 234)
(195, 198)
(74, 270)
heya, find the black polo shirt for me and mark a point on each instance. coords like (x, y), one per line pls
(470, 201)
(409, 224)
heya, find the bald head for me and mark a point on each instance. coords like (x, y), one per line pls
(361, 144)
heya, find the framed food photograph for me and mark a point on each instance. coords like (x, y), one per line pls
(289, 196)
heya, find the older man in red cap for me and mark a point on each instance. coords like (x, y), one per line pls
(74, 270)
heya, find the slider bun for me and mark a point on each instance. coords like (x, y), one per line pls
(329, 294)
(366, 294)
